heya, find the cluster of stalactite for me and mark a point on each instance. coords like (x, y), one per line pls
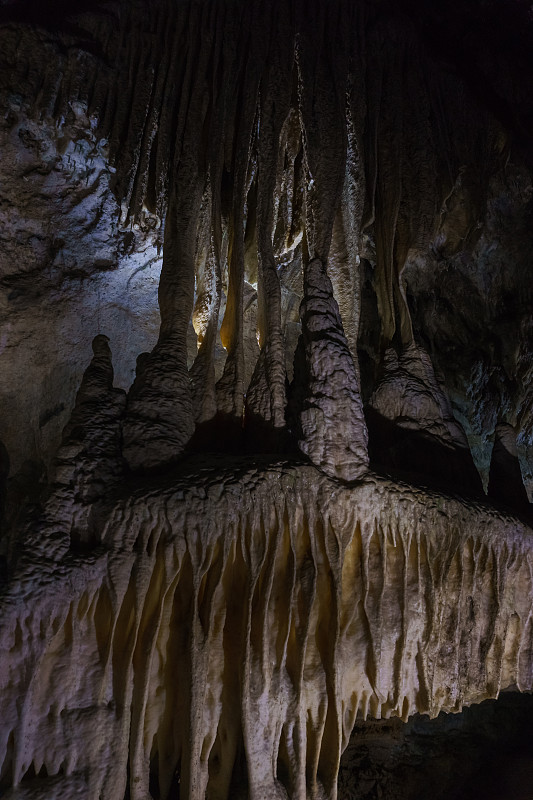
(254, 135)
(218, 635)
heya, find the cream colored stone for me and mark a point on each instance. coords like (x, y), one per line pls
(271, 603)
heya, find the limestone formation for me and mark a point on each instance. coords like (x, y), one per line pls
(266, 605)
(331, 424)
(308, 224)
(159, 417)
(89, 460)
(413, 425)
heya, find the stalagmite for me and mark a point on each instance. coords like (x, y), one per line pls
(89, 460)
(331, 425)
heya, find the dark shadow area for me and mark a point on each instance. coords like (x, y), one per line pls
(262, 437)
(222, 434)
(250, 436)
(415, 456)
(484, 753)
(505, 479)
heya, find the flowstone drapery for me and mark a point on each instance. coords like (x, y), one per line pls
(223, 631)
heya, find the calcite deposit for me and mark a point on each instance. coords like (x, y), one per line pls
(288, 491)
(236, 612)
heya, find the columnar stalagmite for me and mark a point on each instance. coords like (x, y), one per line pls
(331, 423)
(279, 528)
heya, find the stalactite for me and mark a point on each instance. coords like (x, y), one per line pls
(322, 85)
(412, 425)
(266, 396)
(230, 388)
(205, 315)
(374, 134)
(386, 122)
(156, 433)
(346, 244)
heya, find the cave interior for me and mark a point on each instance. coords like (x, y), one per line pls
(266, 419)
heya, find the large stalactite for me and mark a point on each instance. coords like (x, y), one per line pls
(279, 528)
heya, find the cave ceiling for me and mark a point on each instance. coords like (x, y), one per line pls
(266, 420)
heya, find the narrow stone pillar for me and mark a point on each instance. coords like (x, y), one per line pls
(331, 424)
